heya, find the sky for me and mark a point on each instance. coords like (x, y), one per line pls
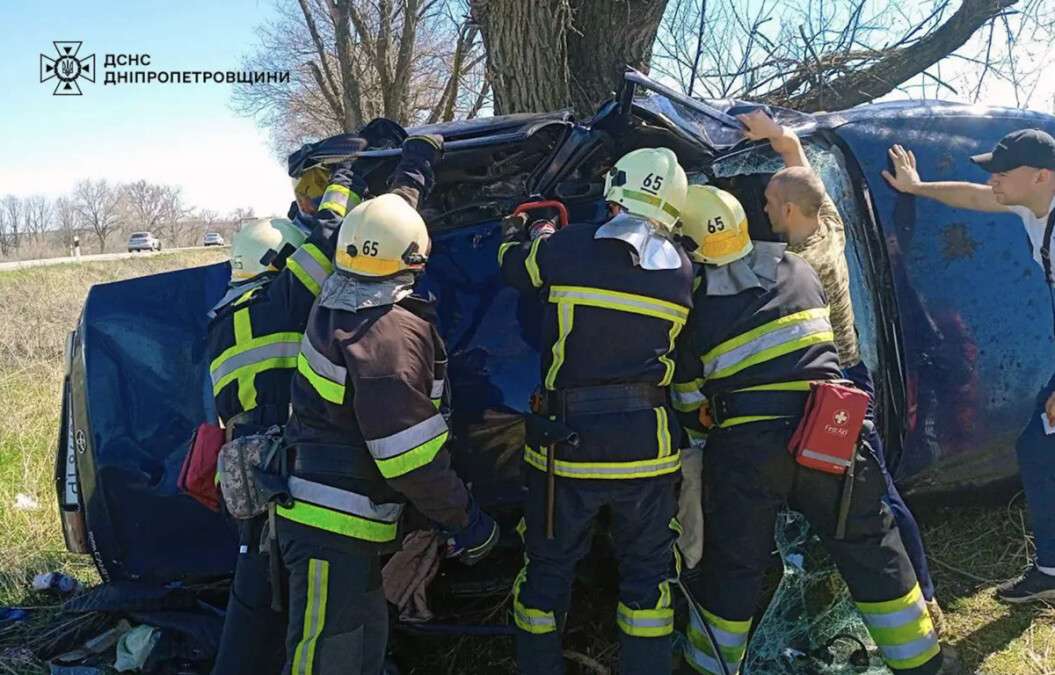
(185, 135)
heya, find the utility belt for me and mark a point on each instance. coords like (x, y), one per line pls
(256, 421)
(599, 400)
(756, 405)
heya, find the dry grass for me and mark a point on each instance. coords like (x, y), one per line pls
(972, 548)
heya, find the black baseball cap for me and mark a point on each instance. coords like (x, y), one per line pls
(1026, 147)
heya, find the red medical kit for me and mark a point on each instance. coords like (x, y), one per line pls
(827, 437)
(197, 476)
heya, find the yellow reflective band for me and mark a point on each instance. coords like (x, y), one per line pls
(412, 459)
(534, 621)
(339, 523)
(531, 264)
(231, 353)
(702, 645)
(368, 265)
(646, 468)
(314, 616)
(326, 388)
(503, 249)
(782, 322)
(668, 363)
(926, 655)
(895, 605)
(243, 327)
(337, 199)
(651, 200)
(746, 419)
(644, 622)
(619, 301)
(313, 282)
(247, 296)
(565, 320)
(663, 441)
(696, 281)
(797, 385)
(728, 625)
(775, 352)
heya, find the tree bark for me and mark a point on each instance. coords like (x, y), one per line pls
(551, 54)
(898, 66)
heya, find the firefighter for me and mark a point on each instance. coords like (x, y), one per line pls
(366, 435)
(761, 328)
(615, 297)
(254, 338)
(253, 341)
(800, 210)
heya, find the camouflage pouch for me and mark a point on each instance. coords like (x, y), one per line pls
(250, 477)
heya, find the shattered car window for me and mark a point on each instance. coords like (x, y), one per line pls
(810, 610)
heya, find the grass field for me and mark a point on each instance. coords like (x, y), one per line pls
(972, 548)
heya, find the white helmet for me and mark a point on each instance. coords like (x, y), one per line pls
(649, 183)
(381, 237)
(716, 223)
(263, 245)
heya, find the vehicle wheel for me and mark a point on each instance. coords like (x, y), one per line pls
(131, 251)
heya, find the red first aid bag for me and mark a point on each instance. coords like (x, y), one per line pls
(826, 438)
(197, 476)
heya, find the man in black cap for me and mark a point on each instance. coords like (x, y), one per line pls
(1021, 181)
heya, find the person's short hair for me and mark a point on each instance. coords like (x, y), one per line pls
(801, 187)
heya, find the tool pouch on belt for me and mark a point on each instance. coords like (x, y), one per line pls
(250, 474)
(197, 476)
(827, 436)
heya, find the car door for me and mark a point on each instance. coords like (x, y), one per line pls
(973, 315)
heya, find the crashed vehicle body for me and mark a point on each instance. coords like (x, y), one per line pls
(954, 317)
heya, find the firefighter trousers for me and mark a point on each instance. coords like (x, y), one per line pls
(903, 517)
(338, 619)
(748, 477)
(642, 512)
(252, 638)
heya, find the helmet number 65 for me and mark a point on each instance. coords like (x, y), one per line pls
(370, 247)
(652, 182)
(715, 225)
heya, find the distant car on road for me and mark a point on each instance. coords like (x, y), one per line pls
(143, 241)
(212, 239)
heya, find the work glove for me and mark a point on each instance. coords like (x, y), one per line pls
(427, 148)
(541, 228)
(472, 543)
(383, 133)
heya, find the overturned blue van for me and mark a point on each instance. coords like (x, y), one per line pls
(954, 317)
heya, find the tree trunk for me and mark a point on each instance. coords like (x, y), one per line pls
(550, 54)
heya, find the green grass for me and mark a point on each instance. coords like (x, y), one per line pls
(972, 548)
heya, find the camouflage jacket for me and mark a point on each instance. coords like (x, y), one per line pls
(825, 251)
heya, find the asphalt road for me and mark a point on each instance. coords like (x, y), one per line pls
(43, 262)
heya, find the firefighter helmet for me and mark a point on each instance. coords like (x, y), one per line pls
(381, 237)
(311, 184)
(716, 223)
(649, 183)
(263, 245)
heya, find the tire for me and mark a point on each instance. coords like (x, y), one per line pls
(131, 251)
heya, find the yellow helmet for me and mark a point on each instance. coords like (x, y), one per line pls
(649, 183)
(311, 184)
(715, 221)
(381, 237)
(263, 245)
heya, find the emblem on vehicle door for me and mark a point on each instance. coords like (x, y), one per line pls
(81, 441)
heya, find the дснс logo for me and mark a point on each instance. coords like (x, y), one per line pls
(68, 68)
